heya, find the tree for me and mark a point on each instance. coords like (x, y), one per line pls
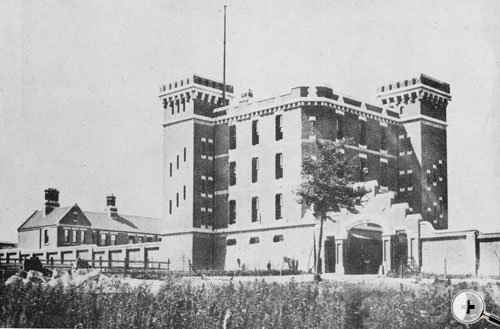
(329, 185)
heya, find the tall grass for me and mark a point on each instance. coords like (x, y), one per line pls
(240, 305)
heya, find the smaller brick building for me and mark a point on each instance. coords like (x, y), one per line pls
(55, 226)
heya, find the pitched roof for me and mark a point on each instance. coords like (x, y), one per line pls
(37, 219)
(139, 224)
(98, 221)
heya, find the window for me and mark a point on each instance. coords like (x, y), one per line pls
(255, 169)
(279, 165)
(383, 138)
(363, 170)
(113, 239)
(185, 154)
(102, 241)
(183, 105)
(177, 200)
(362, 132)
(232, 137)
(74, 235)
(66, 236)
(140, 239)
(170, 206)
(131, 239)
(279, 127)
(172, 106)
(149, 239)
(45, 236)
(383, 174)
(231, 242)
(232, 173)
(255, 132)
(278, 204)
(255, 209)
(177, 162)
(340, 128)
(82, 236)
(232, 212)
(254, 240)
(170, 169)
(184, 192)
(278, 238)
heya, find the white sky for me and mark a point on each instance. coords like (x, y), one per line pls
(79, 79)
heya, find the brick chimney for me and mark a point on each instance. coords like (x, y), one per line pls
(111, 206)
(51, 200)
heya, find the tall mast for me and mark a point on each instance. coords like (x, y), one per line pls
(224, 63)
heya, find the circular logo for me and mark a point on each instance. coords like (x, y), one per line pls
(467, 307)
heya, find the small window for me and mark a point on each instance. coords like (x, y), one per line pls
(362, 132)
(279, 127)
(102, 241)
(184, 192)
(149, 239)
(255, 209)
(278, 238)
(74, 234)
(66, 236)
(232, 212)
(232, 137)
(170, 206)
(170, 169)
(113, 239)
(177, 200)
(185, 154)
(177, 162)
(279, 165)
(278, 204)
(45, 236)
(232, 173)
(340, 127)
(384, 174)
(231, 242)
(140, 239)
(131, 239)
(255, 169)
(255, 132)
(254, 240)
(383, 138)
(82, 237)
(363, 170)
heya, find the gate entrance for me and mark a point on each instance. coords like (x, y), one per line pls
(363, 251)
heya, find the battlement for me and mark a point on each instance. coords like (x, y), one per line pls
(421, 80)
(192, 81)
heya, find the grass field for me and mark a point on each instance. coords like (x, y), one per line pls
(205, 304)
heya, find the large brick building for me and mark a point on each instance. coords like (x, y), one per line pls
(231, 171)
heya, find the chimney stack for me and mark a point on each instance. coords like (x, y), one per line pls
(111, 206)
(51, 200)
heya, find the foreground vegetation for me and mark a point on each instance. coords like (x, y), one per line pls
(236, 305)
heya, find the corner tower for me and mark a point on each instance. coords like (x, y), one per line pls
(422, 162)
(188, 144)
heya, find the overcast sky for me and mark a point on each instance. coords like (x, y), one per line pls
(78, 86)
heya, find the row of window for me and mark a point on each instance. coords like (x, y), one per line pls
(255, 132)
(171, 165)
(256, 240)
(278, 169)
(104, 239)
(177, 202)
(278, 207)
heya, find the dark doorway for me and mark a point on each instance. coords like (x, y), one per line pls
(363, 252)
(330, 254)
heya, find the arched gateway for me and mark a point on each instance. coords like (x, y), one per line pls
(370, 242)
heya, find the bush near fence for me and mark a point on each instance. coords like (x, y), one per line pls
(183, 304)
